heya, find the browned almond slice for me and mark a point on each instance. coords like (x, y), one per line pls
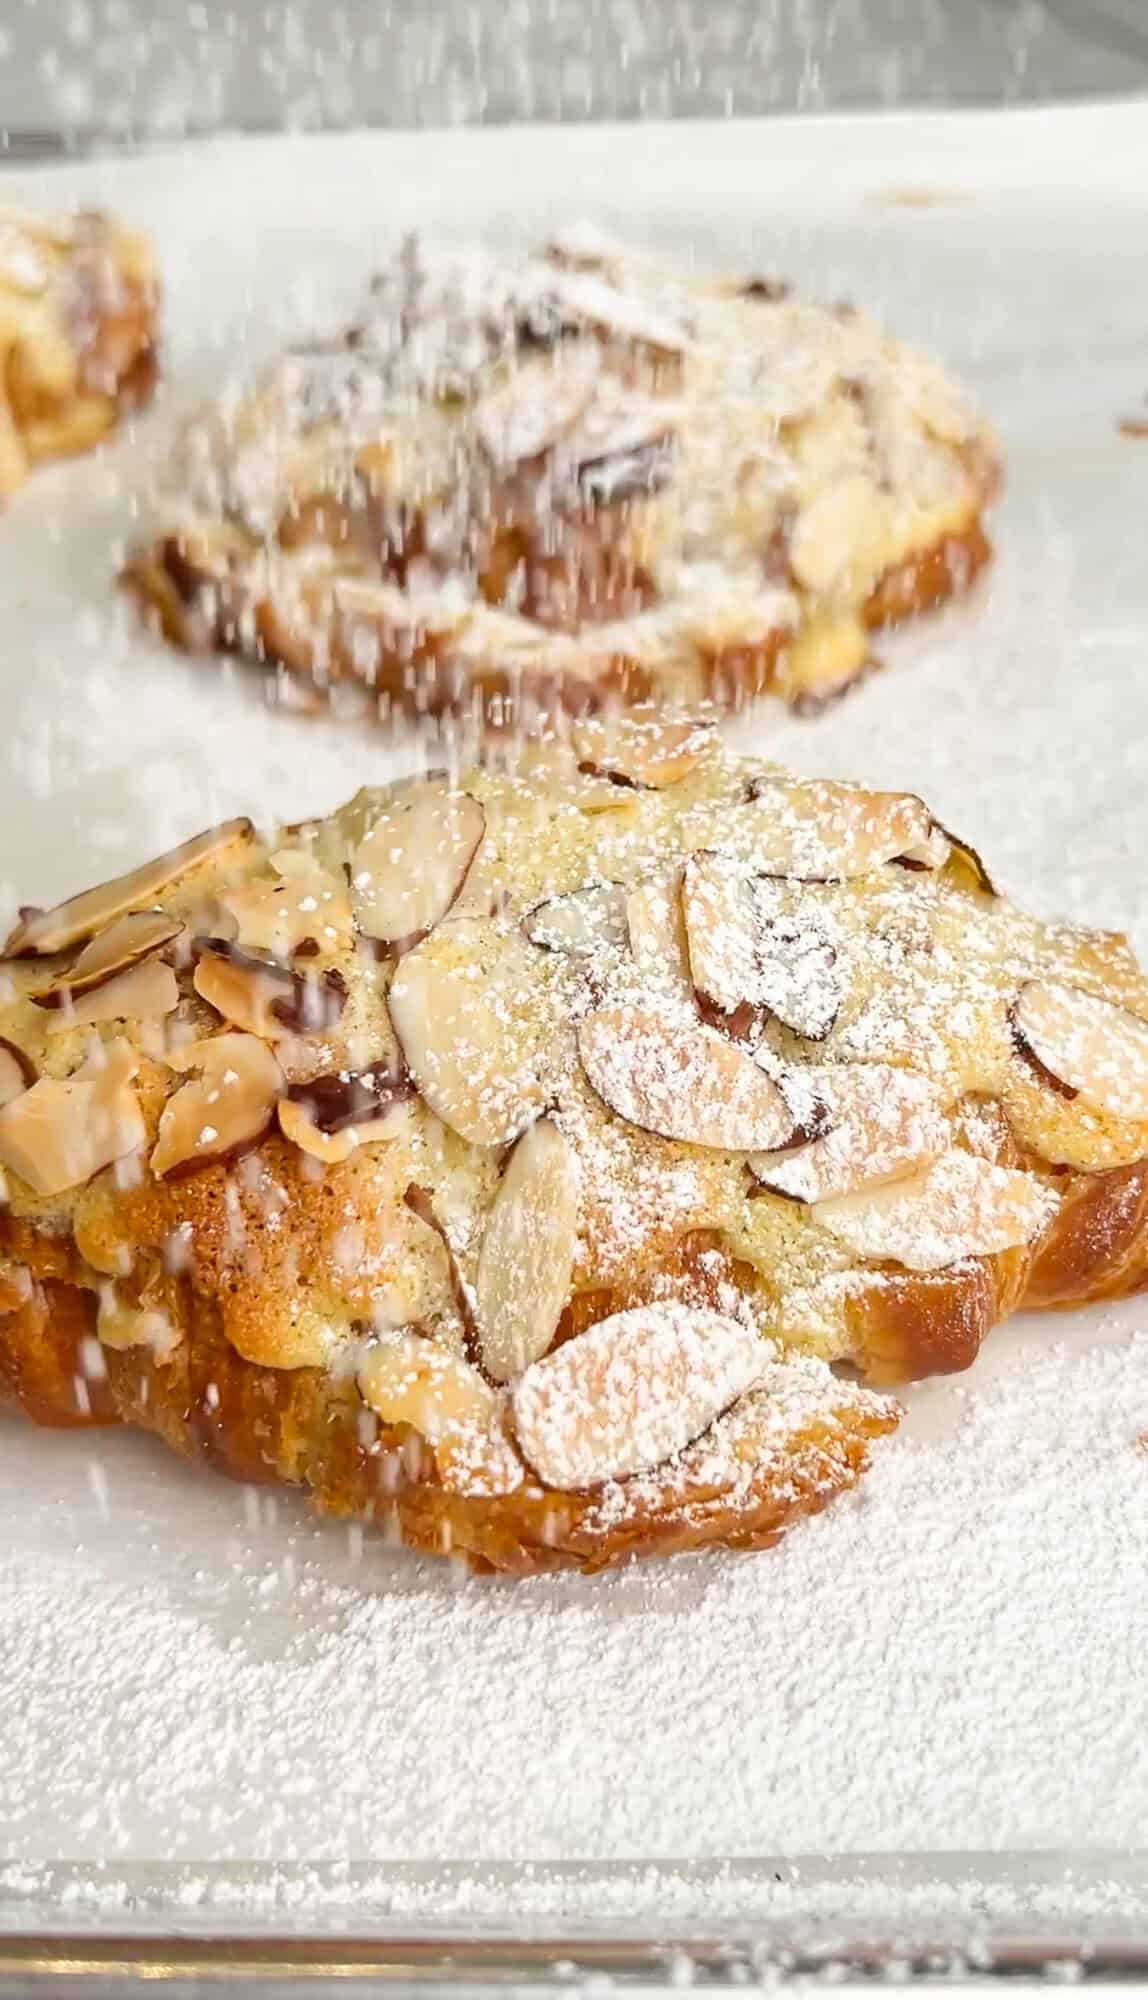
(17, 1071)
(930, 853)
(222, 1110)
(410, 867)
(145, 992)
(406, 1378)
(54, 930)
(297, 1124)
(123, 944)
(262, 996)
(527, 1252)
(306, 903)
(657, 930)
(330, 1117)
(61, 1132)
(746, 949)
(826, 832)
(582, 923)
(641, 749)
(464, 1005)
(962, 1206)
(532, 411)
(884, 1123)
(1085, 1046)
(617, 315)
(632, 1391)
(623, 450)
(965, 859)
(682, 1082)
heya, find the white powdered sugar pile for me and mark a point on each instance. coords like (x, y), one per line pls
(950, 1659)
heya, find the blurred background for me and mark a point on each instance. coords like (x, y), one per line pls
(82, 70)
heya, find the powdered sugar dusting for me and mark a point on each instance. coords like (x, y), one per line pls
(919, 1668)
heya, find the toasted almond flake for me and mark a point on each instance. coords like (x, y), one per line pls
(406, 1378)
(125, 942)
(62, 1132)
(641, 749)
(682, 1082)
(278, 916)
(532, 411)
(932, 852)
(582, 923)
(297, 1124)
(616, 315)
(224, 1109)
(145, 992)
(464, 1007)
(263, 997)
(632, 1391)
(746, 949)
(884, 1123)
(657, 931)
(56, 929)
(825, 832)
(962, 1206)
(1086, 1046)
(408, 870)
(527, 1252)
(17, 1071)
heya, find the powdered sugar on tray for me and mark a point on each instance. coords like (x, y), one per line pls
(931, 1666)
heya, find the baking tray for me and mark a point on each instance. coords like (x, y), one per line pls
(917, 1735)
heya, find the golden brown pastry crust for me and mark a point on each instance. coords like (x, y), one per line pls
(491, 500)
(291, 1427)
(78, 340)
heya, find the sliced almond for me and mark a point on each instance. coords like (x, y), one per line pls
(641, 748)
(406, 1378)
(962, 1206)
(305, 904)
(527, 1252)
(657, 930)
(264, 997)
(331, 1116)
(54, 930)
(632, 1391)
(224, 1109)
(582, 923)
(1085, 1046)
(931, 853)
(145, 992)
(532, 411)
(884, 1123)
(683, 1082)
(408, 870)
(616, 315)
(297, 1124)
(826, 832)
(464, 1007)
(122, 945)
(17, 1071)
(62, 1132)
(746, 949)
